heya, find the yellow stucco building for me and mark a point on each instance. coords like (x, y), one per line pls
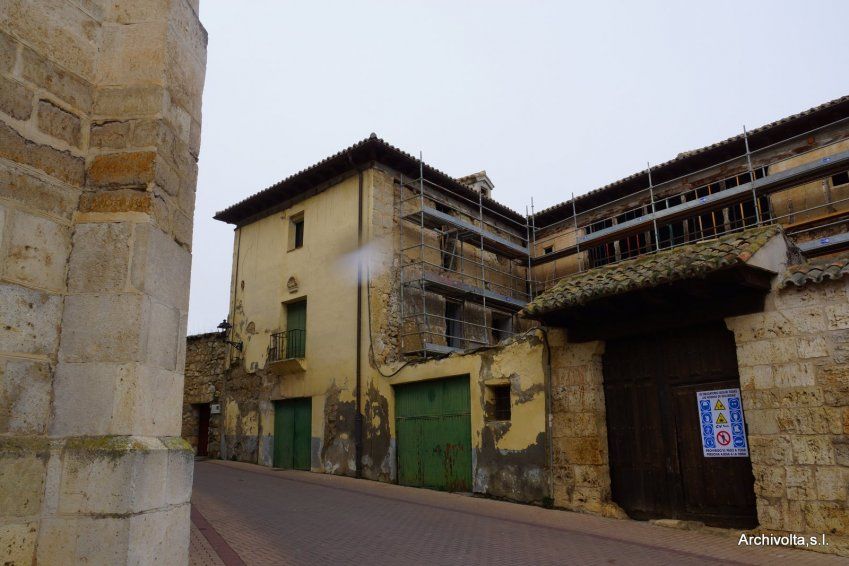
(338, 288)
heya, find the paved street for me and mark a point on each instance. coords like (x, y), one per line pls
(253, 515)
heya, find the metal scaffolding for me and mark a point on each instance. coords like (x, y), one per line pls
(466, 269)
(463, 266)
(666, 217)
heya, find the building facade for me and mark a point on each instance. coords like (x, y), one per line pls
(392, 322)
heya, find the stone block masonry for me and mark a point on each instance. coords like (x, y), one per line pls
(205, 362)
(794, 378)
(99, 129)
(580, 467)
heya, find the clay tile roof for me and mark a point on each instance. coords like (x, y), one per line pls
(816, 271)
(364, 152)
(694, 260)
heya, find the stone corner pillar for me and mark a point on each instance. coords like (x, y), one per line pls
(100, 112)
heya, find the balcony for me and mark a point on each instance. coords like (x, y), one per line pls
(286, 352)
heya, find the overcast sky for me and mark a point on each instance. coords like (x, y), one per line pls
(549, 98)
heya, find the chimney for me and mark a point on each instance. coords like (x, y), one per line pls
(478, 182)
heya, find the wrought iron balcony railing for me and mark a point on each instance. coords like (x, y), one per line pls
(287, 345)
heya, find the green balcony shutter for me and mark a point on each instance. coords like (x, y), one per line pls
(296, 329)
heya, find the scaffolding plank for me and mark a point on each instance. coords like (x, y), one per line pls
(458, 289)
(431, 348)
(826, 245)
(432, 218)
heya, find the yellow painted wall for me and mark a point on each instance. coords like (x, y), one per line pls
(521, 363)
(792, 205)
(326, 274)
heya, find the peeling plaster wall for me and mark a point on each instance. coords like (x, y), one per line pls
(511, 455)
(509, 459)
(324, 272)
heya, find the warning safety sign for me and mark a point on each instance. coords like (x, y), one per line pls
(723, 427)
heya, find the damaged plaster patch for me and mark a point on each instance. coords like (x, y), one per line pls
(524, 395)
(337, 448)
(517, 475)
(377, 457)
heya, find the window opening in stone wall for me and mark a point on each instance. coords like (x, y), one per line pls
(454, 324)
(500, 395)
(502, 326)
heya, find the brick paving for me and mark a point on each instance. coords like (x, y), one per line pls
(201, 552)
(274, 517)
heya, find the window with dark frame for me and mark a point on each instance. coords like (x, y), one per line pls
(500, 402)
(547, 250)
(840, 179)
(299, 232)
(502, 326)
(454, 324)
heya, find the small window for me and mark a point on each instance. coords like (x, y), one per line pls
(500, 402)
(547, 250)
(296, 231)
(502, 326)
(299, 232)
(454, 324)
(840, 179)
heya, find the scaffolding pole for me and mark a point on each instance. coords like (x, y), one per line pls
(653, 216)
(751, 178)
(421, 255)
(577, 239)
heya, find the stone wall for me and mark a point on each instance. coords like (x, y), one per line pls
(794, 376)
(581, 473)
(204, 383)
(99, 137)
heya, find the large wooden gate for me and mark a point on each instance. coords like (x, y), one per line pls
(433, 430)
(656, 465)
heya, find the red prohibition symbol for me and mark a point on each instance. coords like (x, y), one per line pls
(723, 437)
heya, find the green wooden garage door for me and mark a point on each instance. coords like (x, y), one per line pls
(292, 431)
(433, 433)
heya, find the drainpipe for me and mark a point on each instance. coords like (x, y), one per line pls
(548, 414)
(222, 425)
(358, 418)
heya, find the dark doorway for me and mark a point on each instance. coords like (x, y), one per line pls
(203, 430)
(657, 468)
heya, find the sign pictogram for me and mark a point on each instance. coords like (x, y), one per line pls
(722, 423)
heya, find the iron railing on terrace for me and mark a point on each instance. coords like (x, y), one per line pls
(287, 345)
